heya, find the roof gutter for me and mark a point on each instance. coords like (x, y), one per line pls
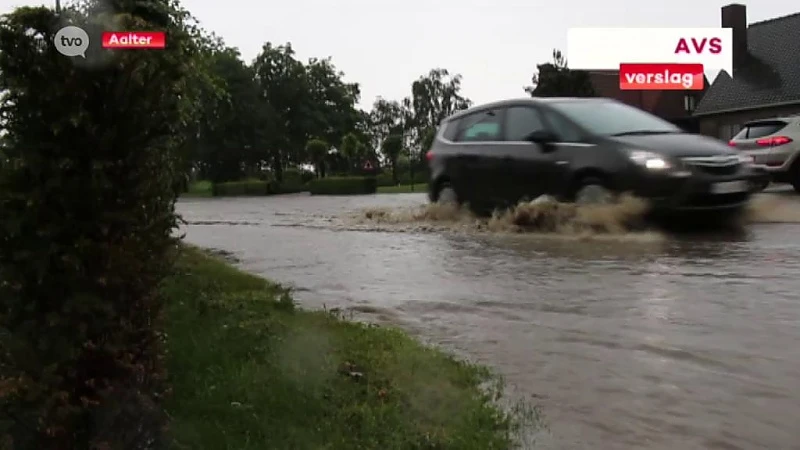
(748, 108)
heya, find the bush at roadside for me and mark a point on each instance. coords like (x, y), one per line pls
(343, 186)
(250, 187)
(87, 226)
(385, 180)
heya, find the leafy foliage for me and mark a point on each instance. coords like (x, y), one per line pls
(555, 79)
(86, 222)
(317, 150)
(392, 147)
(352, 150)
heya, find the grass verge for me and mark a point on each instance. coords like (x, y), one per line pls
(403, 188)
(249, 371)
(202, 188)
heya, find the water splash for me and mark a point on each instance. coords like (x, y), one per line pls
(770, 208)
(541, 217)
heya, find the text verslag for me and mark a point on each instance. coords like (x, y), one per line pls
(669, 76)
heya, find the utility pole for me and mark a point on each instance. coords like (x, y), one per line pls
(58, 6)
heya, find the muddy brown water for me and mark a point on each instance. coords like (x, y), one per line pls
(627, 340)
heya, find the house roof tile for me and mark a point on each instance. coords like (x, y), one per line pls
(771, 75)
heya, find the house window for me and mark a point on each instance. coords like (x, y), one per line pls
(689, 103)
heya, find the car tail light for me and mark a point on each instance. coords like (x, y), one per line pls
(773, 141)
(429, 155)
(731, 143)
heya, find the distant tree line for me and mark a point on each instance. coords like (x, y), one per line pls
(276, 112)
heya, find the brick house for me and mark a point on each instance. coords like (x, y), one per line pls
(766, 74)
(674, 106)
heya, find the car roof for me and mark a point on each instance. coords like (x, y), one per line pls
(525, 101)
(789, 118)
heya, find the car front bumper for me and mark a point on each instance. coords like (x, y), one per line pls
(692, 191)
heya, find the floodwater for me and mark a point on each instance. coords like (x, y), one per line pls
(626, 340)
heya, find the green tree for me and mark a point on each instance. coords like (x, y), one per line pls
(351, 149)
(317, 149)
(236, 125)
(284, 86)
(86, 224)
(427, 138)
(331, 102)
(434, 97)
(555, 79)
(391, 148)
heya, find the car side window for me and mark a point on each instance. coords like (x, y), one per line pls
(451, 130)
(480, 127)
(521, 121)
(565, 131)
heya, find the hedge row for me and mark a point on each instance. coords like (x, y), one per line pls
(245, 187)
(343, 186)
(385, 179)
(337, 185)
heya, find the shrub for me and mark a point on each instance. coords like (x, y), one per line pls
(251, 187)
(306, 176)
(343, 186)
(384, 180)
(419, 177)
(292, 188)
(86, 229)
(293, 176)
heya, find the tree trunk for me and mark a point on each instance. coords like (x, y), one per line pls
(277, 166)
(411, 166)
(394, 172)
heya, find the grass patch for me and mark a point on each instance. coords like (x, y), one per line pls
(200, 188)
(249, 371)
(403, 188)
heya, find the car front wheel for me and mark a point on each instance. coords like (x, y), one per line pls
(593, 192)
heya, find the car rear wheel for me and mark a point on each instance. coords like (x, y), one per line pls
(593, 192)
(447, 196)
(795, 176)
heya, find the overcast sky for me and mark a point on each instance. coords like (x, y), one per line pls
(386, 44)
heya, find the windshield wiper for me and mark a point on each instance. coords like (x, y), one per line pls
(645, 132)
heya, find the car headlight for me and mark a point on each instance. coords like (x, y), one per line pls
(649, 160)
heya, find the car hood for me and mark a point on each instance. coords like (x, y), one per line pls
(676, 144)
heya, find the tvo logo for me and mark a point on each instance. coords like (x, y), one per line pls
(71, 41)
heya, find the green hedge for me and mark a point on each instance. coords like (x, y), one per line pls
(419, 177)
(385, 179)
(343, 186)
(292, 187)
(245, 187)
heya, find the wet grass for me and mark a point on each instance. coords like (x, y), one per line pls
(403, 188)
(250, 371)
(201, 188)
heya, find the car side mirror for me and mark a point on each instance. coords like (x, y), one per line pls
(541, 137)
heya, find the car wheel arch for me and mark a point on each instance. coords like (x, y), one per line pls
(439, 183)
(581, 176)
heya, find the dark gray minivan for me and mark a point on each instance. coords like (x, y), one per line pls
(585, 150)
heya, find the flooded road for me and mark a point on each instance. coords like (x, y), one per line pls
(637, 341)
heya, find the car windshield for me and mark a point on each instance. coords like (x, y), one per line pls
(614, 119)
